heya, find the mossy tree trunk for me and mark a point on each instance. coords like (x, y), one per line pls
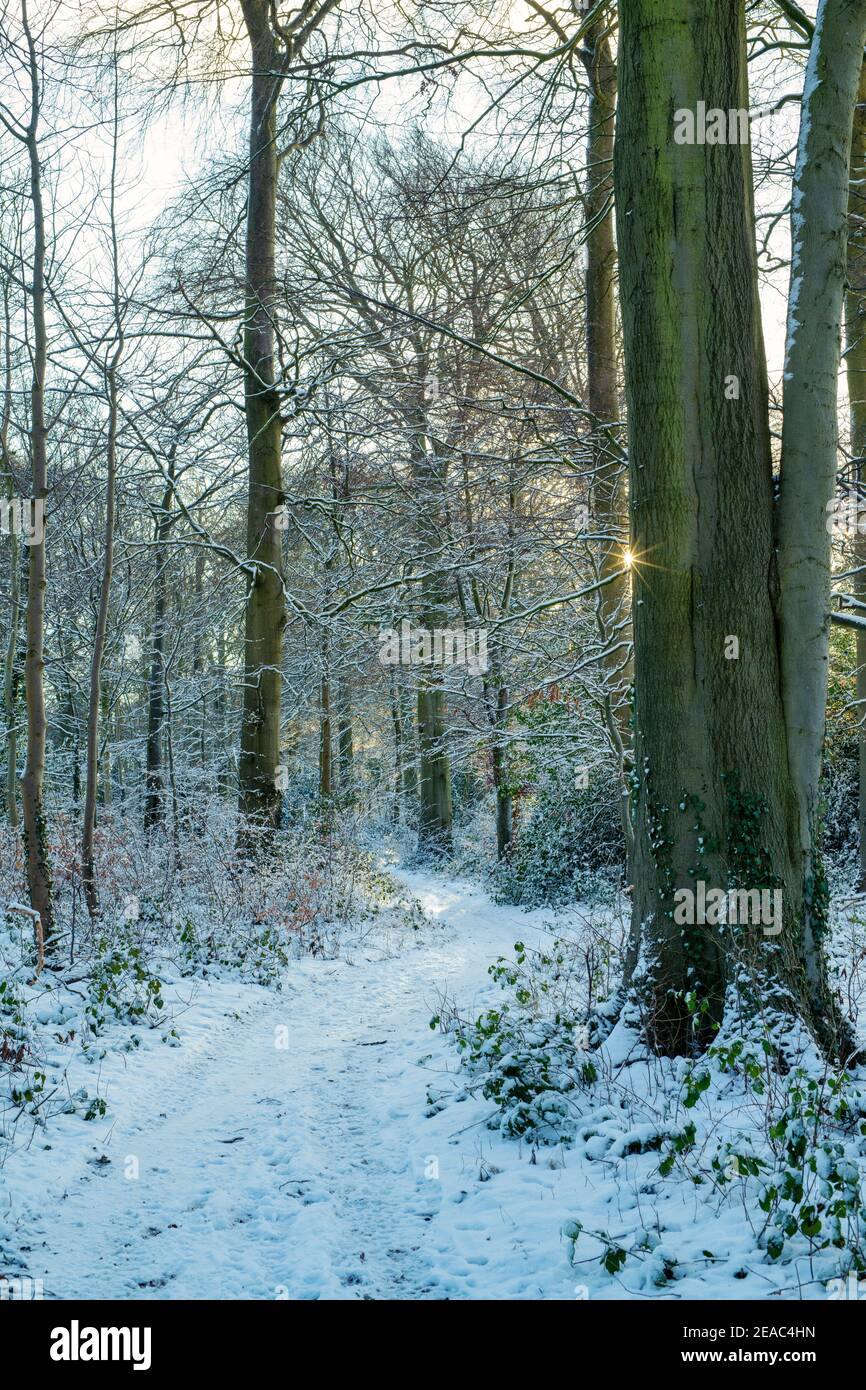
(716, 798)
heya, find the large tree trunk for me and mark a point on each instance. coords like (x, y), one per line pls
(35, 829)
(810, 422)
(855, 365)
(265, 609)
(715, 797)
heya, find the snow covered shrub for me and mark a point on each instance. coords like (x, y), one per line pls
(22, 1079)
(659, 1261)
(13, 1029)
(122, 988)
(568, 848)
(196, 906)
(794, 1164)
(810, 1166)
(530, 1054)
(757, 1139)
(258, 953)
(529, 1071)
(783, 1189)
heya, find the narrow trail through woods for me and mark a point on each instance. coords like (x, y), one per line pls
(252, 1170)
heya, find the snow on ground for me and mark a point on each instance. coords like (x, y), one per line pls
(280, 1151)
(287, 1149)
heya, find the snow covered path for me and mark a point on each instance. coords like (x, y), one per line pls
(282, 1150)
(319, 1143)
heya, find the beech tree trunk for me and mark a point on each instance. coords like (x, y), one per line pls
(718, 796)
(259, 796)
(810, 421)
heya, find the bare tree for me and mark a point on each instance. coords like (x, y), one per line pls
(25, 129)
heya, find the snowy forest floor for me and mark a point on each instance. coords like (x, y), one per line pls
(282, 1149)
(288, 1148)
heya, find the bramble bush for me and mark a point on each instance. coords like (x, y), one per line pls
(529, 1054)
